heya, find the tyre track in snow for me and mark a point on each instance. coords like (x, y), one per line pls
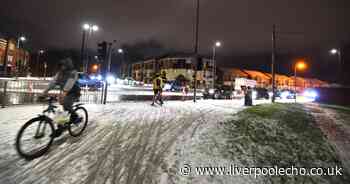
(123, 143)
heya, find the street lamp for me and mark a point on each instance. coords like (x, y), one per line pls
(20, 39)
(87, 28)
(217, 44)
(339, 53)
(300, 65)
(95, 67)
(40, 52)
(121, 52)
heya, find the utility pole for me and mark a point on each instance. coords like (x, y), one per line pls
(82, 50)
(109, 58)
(196, 53)
(273, 58)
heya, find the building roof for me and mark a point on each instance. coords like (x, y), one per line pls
(254, 73)
(234, 71)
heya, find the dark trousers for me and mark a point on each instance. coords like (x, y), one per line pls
(68, 102)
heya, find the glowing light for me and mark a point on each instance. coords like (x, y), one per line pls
(218, 44)
(301, 65)
(95, 67)
(94, 28)
(334, 51)
(310, 94)
(86, 26)
(110, 79)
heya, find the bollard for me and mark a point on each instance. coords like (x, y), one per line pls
(4, 96)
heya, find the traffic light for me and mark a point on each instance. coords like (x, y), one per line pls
(199, 63)
(102, 50)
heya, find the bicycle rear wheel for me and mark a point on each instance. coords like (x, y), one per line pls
(35, 137)
(76, 128)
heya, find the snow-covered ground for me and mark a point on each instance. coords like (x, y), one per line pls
(129, 142)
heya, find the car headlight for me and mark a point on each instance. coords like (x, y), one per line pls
(310, 94)
(110, 79)
(285, 94)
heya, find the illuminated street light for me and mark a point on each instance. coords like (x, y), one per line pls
(338, 52)
(94, 28)
(300, 65)
(86, 26)
(20, 39)
(334, 51)
(41, 51)
(218, 44)
(120, 51)
(87, 29)
(95, 67)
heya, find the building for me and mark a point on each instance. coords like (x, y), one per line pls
(264, 79)
(17, 58)
(176, 66)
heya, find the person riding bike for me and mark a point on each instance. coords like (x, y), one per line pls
(66, 78)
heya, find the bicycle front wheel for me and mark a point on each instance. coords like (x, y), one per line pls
(35, 137)
(78, 125)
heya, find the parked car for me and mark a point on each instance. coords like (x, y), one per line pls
(220, 93)
(92, 83)
(286, 94)
(172, 86)
(260, 93)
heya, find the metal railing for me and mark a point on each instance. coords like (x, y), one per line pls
(24, 91)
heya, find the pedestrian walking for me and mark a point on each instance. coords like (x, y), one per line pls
(185, 90)
(157, 88)
(249, 96)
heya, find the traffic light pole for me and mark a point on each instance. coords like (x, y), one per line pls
(109, 52)
(273, 58)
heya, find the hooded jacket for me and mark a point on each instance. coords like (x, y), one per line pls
(66, 79)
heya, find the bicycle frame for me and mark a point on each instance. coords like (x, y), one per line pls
(50, 109)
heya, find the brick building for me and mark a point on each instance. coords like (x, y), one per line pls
(17, 58)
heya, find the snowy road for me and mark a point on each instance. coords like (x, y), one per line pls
(124, 143)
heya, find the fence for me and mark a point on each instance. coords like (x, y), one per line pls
(23, 91)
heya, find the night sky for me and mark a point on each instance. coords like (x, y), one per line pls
(244, 26)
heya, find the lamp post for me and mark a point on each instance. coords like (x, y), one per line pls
(19, 39)
(87, 29)
(40, 52)
(339, 54)
(196, 51)
(301, 66)
(121, 52)
(217, 44)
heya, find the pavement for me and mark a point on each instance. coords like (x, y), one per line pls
(127, 142)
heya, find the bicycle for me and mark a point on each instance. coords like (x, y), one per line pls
(39, 132)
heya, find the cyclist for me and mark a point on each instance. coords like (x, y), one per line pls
(66, 78)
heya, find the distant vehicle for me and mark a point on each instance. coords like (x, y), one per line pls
(92, 83)
(286, 94)
(172, 86)
(260, 93)
(220, 93)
